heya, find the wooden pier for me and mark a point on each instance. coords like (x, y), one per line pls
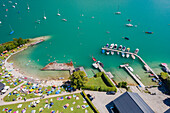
(133, 76)
(108, 49)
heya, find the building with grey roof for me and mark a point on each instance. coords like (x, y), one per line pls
(130, 103)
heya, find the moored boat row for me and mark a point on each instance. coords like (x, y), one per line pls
(115, 48)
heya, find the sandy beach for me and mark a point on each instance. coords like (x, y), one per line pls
(18, 74)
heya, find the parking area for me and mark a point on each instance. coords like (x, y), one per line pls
(102, 101)
(159, 103)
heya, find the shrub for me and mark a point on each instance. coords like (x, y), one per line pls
(89, 102)
(99, 74)
(107, 80)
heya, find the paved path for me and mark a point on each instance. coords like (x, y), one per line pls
(32, 99)
(10, 90)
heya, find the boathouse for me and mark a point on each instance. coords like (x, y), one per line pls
(130, 103)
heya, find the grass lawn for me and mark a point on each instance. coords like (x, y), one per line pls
(96, 81)
(58, 105)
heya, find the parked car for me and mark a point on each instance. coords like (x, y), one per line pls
(110, 93)
(90, 97)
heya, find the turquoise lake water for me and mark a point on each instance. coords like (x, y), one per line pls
(70, 43)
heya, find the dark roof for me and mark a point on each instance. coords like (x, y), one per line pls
(1, 86)
(131, 103)
(167, 111)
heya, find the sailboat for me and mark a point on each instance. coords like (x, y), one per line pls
(58, 13)
(118, 12)
(12, 31)
(44, 16)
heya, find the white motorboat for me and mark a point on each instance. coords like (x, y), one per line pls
(123, 54)
(112, 52)
(0, 22)
(95, 65)
(124, 48)
(115, 46)
(44, 16)
(130, 68)
(111, 46)
(28, 7)
(118, 13)
(3, 5)
(118, 52)
(127, 54)
(64, 20)
(147, 68)
(136, 51)
(129, 25)
(58, 13)
(107, 52)
(133, 57)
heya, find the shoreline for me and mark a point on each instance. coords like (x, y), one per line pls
(17, 74)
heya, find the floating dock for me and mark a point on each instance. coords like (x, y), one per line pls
(133, 76)
(108, 49)
(54, 66)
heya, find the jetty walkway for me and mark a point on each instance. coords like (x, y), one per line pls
(108, 49)
(133, 76)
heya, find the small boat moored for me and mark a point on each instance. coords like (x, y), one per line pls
(111, 46)
(115, 46)
(149, 32)
(129, 25)
(107, 52)
(133, 57)
(118, 13)
(130, 68)
(123, 54)
(112, 52)
(136, 51)
(64, 20)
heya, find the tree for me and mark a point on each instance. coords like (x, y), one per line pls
(168, 83)
(1, 48)
(78, 79)
(164, 75)
(20, 41)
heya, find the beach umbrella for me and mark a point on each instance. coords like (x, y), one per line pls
(41, 109)
(56, 92)
(36, 91)
(9, 110)
(54, 86)
(40, 88)
(49, 90)
(31, 90)
(67, 104)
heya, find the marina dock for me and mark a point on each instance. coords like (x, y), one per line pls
(133, 76)
(108, 49)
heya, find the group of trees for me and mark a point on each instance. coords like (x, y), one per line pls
(12, 44)
(166, 79)
(122, 84)
(78, 79)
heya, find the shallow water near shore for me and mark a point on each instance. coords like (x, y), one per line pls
(70, 43)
